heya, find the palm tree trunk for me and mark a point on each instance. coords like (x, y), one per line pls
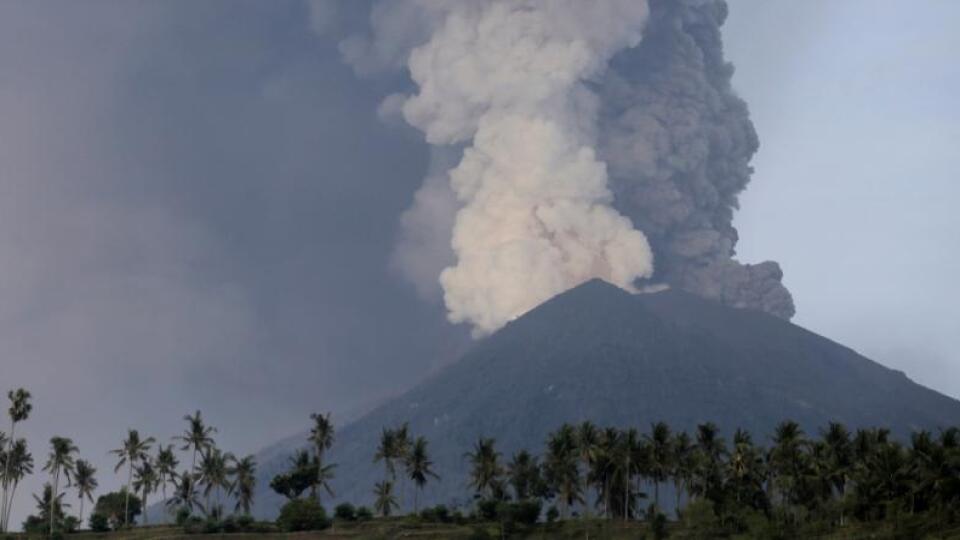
(81, 510)
(7, 497)
(145, 519)
(126, 502)
(53, 495)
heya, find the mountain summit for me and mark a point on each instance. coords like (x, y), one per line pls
(599, 353)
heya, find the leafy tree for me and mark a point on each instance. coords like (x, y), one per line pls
(302, 515)
(85, 481)
(119, 507)
(133, 451)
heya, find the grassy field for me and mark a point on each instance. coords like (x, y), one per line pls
(575, 529)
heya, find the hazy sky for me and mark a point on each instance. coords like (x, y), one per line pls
(198, 203)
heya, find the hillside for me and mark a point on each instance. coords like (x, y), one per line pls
(599, 353)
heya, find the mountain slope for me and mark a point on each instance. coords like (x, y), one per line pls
(599, 353)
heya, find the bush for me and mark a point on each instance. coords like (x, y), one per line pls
(245, 522)
(193, 525)
(437, 514)
(302, 515)
(364, 514)
(183, 514)
(487, 509)
(552, 514)
(345, 512)
(99, 523)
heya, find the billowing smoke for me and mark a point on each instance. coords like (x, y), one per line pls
(559, 136)
(678, 143)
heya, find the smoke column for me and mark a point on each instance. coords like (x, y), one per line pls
(558, 136)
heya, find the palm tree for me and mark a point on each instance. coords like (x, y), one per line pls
(660, 457)
(185, 492)
(60, 461)
(385, 452)
(166, 464)
(840, 458)
(145, 482)
(50, 506)
(17, 462)
(606, 459)
(588, 447)
(682, 463)
(321, 437)
(244, 474)
(197, 436)
(84, 479)
(133, 451)
(524, 475)
(485, 466)
(213, 476)
(19, 411)
(419, 467)
(385, 501)
(785, 458)
(562, 472)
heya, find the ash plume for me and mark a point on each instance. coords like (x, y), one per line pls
(678, 143)
(573, 149)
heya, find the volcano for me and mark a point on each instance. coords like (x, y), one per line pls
(601, 354)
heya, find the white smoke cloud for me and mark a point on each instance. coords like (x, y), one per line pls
(507, 78)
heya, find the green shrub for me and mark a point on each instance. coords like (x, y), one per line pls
(302, 515)
(99, 523)
(553, 514)
(487, 509)
(245, 522)
(364, 514)
(183, 514)
(345, 512)
(437, 514)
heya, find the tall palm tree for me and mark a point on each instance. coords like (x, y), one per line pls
(419, 468)
(524, 475)
(605, 460)
(198, 436)
(213, 475)
(321, 437)
(588, 438)
(384, 501)
(682, 449)
(785, 458)
(385, 453)
(17, 462)
(131, 452)
(244, 473)
(840, 458)
(50, 506)
(561, 467)
(485, 467)
(20, 408)
(185, 492)
(59, 462)
(166, 464)
(659, 440)
(84, 479)
(145, 482)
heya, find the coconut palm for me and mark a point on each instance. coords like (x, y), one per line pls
(51, 506)
(197, 436)
(20, 408)
(17, 462)
(145, 481)
(85, 481)
(185, 492)
(131, 452)
(166, 464)
(384, 502)
(683, 463)
(212, 474)
(523, 473)
(419, 468)
(485, 468)
(321, 437)
(385, 452)
(561, 468)
(659, 440)
(59, 462)
(840, 458)
(786, 459)
(244, 473)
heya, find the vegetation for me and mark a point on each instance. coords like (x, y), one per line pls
(599, 481)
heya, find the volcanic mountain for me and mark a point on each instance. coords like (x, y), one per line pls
(599, 353)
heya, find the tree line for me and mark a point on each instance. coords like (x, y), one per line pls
(583, 471)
